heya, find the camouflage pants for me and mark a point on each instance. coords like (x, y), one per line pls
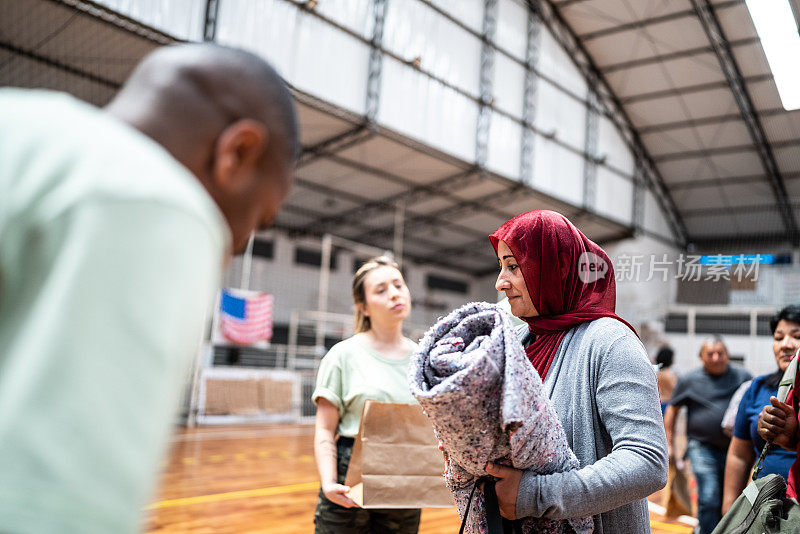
(330, 518)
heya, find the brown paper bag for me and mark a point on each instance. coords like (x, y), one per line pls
(395, 461)
(677, 500)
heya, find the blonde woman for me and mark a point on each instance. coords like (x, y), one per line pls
(370, 365)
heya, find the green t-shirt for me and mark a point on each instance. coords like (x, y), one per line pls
(110, 254)
(353, 372)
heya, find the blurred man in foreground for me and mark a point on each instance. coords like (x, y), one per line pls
(114, 228)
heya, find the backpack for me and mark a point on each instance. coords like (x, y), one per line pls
(763, 507)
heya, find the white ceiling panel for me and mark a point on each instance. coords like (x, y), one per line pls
(20, 71)
(736, 22)
(419, 167)
(445, 235)
(758, 222)
(782, 127)
(317, 126)
(731, 133)
(378, 152)
(331, 174)
(318, 201)
(524, 203)
(685, 170)
(431, 204)
(793, 186)
(694, 105)
(751, 60)
(764, 95)
(652, 40)
(734, 195)
(753, 194)
(673, 74)
(656, 111)
(86, 43)
(700, 104)
(480, 222)
(478, 189)
(380, 219)
(742, 163)
(788, 159)
(398, 159)
(590, 16)
(293, 217)
(706, 226)
(739, 223)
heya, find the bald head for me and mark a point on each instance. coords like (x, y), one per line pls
(188, 93)
(227, 116)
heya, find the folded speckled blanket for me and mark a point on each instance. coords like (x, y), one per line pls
(487, 403)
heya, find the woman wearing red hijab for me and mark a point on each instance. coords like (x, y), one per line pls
(596, 372)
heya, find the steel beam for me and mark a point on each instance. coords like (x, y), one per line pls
(638, 202)
(708, 18)
(485, 84)
(529, 97)
(590, 144)
(375, 65)
(613, 110)
(210, 22)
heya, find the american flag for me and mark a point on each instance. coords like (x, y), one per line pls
(245, 316)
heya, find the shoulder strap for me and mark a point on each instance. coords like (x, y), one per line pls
(491, 507)
(494, 521)
(469, 505)
(787, 382)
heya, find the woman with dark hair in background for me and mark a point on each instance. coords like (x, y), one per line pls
(372, 364)
(665, 376)
(746, 444)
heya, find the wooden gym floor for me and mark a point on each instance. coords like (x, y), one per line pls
(247, 479)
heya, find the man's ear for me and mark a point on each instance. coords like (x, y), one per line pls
(239, 148)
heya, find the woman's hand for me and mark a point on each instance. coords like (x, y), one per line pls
(337, 493)
(778, 424)
(506, 488)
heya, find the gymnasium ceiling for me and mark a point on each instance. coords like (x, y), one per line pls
(730, 167)
(727, 151)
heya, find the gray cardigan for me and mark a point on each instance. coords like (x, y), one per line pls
(604, 390)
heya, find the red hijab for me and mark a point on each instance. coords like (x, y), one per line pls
(569, 278)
